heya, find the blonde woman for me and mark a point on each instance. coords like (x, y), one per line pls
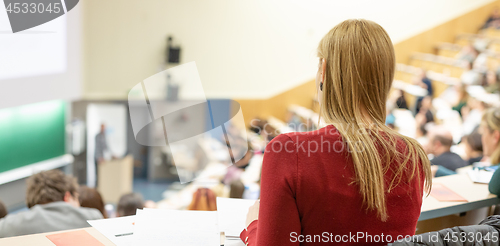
(490, 137)
(356, 180)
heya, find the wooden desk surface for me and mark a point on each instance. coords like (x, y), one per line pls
(477, 196)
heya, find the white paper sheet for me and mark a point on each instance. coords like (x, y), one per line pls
(234, 242)
(176, 227)
(480, 176)
(232, 215)
(117, 230)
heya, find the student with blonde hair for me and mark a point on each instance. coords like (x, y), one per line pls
(355, 176)
(490, 137)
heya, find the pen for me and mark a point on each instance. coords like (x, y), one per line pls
(124, 234)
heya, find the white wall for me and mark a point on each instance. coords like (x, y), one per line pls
(243, 49)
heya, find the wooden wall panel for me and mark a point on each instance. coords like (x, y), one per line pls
(425, 42)
(276, 106)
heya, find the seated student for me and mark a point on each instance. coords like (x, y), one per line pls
(473, 147)
(401, 100)
(390, 119)
(309, 125)
(354, 175)
(481, 42)
(236, 189)
(467, 54)
(53, 201)
(423, 81)
(268, 133)
(462, 97)
(470, 76)
(425, 114)
(492, 84)
(129, 204)
(204, 199)
(90, 198)
(493, 20)
(257, 125)
(473, 118)
(440, 142)
(294, 121)
(234, 171)
(3, 210)
(490, 136)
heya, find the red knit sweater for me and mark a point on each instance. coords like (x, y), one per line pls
(308, 196)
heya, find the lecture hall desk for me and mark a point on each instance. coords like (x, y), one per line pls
(42, 240)
(477, 195)
(436, 215)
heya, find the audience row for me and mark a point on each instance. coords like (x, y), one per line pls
(56, 202)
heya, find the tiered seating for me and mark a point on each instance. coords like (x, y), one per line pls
(439, 64)
(493, 59)
(446, 69)
(448, 49)
(279, 125)
(491, 32)
(495, 45)
(466, 38)
(307, 114)
(406, 74)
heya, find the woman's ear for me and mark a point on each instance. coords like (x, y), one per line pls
(496, 136)
(323, 70)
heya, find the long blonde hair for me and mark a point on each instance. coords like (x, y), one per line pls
(491, 119)
(360, 64)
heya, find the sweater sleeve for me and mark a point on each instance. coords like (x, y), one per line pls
(494, 185)
(278, 214)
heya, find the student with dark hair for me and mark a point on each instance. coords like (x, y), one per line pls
(440, 142)
(129, 204)
(3, 210)
(234, 171)
(423, 81)
(52, 198)
(493, 20)
(257, 125)
(90, 198)
(473, 147)
(401, 100)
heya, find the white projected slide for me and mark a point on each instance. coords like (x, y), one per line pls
(40, 50)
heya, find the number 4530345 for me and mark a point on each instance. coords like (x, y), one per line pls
(33, 8)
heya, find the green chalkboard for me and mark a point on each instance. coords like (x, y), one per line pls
(31, 133)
